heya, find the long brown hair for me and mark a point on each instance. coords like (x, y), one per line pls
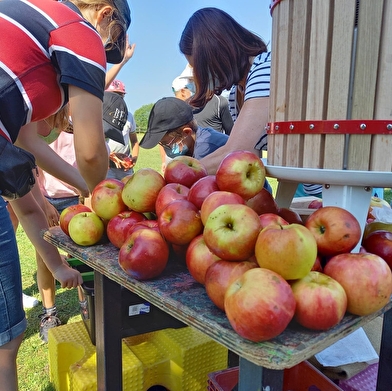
(220, 48)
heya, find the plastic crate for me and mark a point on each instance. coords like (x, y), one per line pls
(302, 377)
(365, 380)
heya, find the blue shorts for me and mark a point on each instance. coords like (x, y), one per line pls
(12, 316)
(61, 203)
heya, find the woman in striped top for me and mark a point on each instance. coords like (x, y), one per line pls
(225, 55)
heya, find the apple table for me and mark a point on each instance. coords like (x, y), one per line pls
(176, 293)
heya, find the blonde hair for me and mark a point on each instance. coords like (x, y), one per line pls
(116, 25)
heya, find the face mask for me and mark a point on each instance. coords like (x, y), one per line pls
(175, 150)
(52, 136)
(191, 87)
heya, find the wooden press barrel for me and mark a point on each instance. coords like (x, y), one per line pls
(331, 84)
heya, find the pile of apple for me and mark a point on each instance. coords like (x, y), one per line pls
(260, 264)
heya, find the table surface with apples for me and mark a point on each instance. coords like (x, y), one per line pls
(177, 293)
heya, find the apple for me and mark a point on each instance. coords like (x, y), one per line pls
(185, 170)
(144, 254)
(380, 243)
(86, 228)
(231, 231)
(198, 258)
(169, 193)
(220, 275)
(178, 252)
(152, 224)
(119, 226)
(125, 178)
(106, 198)
(180, 222)
(321, 301)
(335, 229)
(69, 212)
(263, 202)
(142, 189)
(315, 204)
(271, 218)
(318, 266)
(241, 172)
(376, 226)
(218, 198)
(201, 189)
(289, 250)
(291, 216)
(366, 278)
(259, 304)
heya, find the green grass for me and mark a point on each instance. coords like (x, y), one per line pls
(33, 363)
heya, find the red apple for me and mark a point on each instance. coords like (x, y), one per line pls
(335, 229)
(289, 250)
(178, 252)
(220, 275)
(69, 212)
(241, 172)
(271, 218)
(317, 267)
(144, 255)
(380, 243)
(291, 216)
(321, 301)
(86, 228)
(142, 189)
(198, 258)
(119, 226)
(259, 305)
(169, 193)
(201, 189)
(106, 199)
(185, 170)
(263, 202)
(125, 178)
(315, 204)
(231, 232)
(218, 198)
(366, 278)
(152, 224)
(180, 222)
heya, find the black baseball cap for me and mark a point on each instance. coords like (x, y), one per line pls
(116, 53)
(167, 114)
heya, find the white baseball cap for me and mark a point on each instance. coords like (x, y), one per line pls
(187, 73)
(179, 83)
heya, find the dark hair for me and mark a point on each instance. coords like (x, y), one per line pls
(220, 48)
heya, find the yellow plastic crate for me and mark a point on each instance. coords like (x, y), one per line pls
(177, 359)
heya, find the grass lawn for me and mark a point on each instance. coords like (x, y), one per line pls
(33, 364)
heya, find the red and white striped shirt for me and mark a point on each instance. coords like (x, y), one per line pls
(44, 47)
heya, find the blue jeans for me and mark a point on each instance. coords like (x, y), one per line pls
(12, 316)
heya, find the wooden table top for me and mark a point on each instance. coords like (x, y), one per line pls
(177, 293)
